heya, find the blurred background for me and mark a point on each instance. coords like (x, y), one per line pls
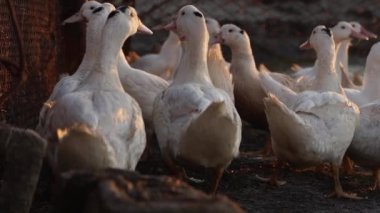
(35, 49)
(276, 27)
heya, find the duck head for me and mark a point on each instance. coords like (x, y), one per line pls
(136, 23)
(189, 24)
(84, 14)
(231, 35)
(344, 30)
(320, 36)
(101, 12)
(90, 12)
(126, 20)
(213, 29)
(359, 28)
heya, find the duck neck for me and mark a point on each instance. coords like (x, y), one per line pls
(169, 49)
(215, 52)
(193, 64)
(122, 63)
(93, 36)
(338, 45)
(105, 73)
(342, 54)
(371, 86)
(326, 76)
(243, 60)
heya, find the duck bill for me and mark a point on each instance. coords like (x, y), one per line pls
(171, 26)
(158, 27)
(305, 45)
(357, 35)
(367, 33)
(217, 39)
(77, 17)
(144, 29)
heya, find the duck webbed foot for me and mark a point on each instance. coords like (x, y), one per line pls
(273, 180)
(338, 191)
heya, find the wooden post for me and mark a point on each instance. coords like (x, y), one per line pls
(23, 152)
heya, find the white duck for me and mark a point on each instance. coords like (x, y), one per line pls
(365, 146)
(366, 142)
(101, 103)
(342, 52)
(311, 128)
(142, 86)
(194, 120)
(247, 88)
(218, 68)
(69, 83)
(164, 63)
(370, 90)
(341, 31)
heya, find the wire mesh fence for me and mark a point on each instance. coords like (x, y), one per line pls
(34, 50)
(27, 58)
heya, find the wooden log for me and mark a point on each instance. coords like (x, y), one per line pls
(112, 191)
(23, 152)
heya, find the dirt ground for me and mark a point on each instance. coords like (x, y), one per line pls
(304, 191)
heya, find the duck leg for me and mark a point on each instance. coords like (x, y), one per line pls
(348, 166)
(338, 191)
(170, 164)
(266, 151)
(148, 151)
(323, 169)
(273, 180)
(376, 177)
(217, 175)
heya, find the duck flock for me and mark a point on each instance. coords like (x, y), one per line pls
(191, 102)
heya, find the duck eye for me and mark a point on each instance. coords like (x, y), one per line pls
(132, 15)
(123, 8)
(97, 10)
(242, 32)
(112, 14)
(343, 27)
(314, 32)
(92, 7)
(196, 13)
(230, 30)
(183, 13)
